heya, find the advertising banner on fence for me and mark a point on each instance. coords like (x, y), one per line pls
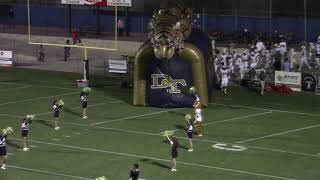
(117, 66)
(292, 79)
(6, 58)
(85, 2)
(308, 82)
(318, 82)
(126, 3)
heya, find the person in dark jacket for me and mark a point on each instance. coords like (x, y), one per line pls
(134, 172)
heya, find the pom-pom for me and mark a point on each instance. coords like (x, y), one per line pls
(7, 130)
(167, 133)
(87, 89)
(30, 117)
(187, 117)
(101, 178)
(193, 89)
(60, 102)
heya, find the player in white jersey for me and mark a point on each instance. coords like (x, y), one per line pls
(318, 54)
(224, 73)
(224, 56)
(292, 58)
(304, 58)
(198, 116)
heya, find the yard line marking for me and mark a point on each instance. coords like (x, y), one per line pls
(66, 136)
(237, 118)
(157, 134)
(274, 110)
(52, 87)
(55, 139)
(48, 172)
(159, 159)
(33, 146)
(132, 117)
(16, 88)
(277, 134)
(43, 97)
(10, 154)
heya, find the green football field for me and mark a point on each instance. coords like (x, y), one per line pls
(247, 137)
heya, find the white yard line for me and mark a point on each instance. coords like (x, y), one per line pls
(281, 133)
(157, 134)
(37, 98)
(52, 87)
(16, 88)
(132, 117)
(159, 159)
(274, 110)
(237, 118)
(48, 172)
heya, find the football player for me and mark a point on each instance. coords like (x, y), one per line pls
(304, 58)
(25, 130)
(292, 58)
(318, 54)
(224, 73)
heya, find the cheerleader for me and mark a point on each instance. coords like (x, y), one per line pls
(57, 105)
(189, 131)
(174, 151)
(83, 97)
(3, 150)
(25, 131)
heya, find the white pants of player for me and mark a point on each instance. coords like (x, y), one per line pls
(303, 61)
(292, 62)
(318, 62)
(224, 82)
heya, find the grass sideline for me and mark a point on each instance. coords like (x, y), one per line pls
(117, 134)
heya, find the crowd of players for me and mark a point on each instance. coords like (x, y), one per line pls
(264, 57)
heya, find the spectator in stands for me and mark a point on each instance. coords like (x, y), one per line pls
(11, 15)
(120, 25)
(40, 53)
(134, 172)
(286, 65)
(67, 51)
(76, 36)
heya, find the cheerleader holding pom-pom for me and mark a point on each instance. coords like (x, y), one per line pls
(25, 130)
(57, 105)
(174, 148)
(188, 118)
(83, 96)
(3, 150)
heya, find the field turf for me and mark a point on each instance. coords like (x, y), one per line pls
(254, 138)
